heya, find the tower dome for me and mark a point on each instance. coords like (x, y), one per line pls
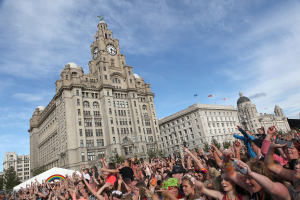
(72, 65)
(242, 99)
(41, 108)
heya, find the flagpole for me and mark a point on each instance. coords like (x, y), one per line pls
(198, 98)
(213, 98)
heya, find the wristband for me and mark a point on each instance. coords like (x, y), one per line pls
(229, 163)
(204, 170)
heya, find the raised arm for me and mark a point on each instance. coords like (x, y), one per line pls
(218, 152)
(98, 196)
(277, 169)
(275, 189)
(212, 193)
(194, 158)
(229, 170)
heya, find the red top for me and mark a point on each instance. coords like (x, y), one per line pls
(111, 179)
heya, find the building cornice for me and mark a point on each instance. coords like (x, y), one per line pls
(193, 108)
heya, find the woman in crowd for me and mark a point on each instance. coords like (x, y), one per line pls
(257, 179)
(289, 175)
(291, 154)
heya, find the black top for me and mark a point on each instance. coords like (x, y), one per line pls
(126, 172)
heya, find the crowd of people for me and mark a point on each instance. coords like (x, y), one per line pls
(255, 167)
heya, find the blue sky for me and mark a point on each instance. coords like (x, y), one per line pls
(181, 48)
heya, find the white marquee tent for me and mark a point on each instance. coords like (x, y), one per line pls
(51, 175)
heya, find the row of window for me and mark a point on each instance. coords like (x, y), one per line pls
(100, 142)
(222, 124)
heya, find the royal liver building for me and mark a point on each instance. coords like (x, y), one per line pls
(109, 110)
(251, 120)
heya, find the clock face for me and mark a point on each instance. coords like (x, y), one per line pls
(95, 53)
(111, 49)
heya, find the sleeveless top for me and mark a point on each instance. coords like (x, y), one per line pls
(237, 197)
(294, 194)
(255, 196)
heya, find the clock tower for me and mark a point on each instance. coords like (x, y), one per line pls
(108, 110)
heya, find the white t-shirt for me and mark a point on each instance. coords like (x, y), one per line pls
(86, 176)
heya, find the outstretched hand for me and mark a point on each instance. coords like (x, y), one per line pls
(272, 129)
(276, 146)
(241, 165)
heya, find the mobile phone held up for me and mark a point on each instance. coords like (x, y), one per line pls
(284, 141)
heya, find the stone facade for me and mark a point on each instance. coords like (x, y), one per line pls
(251, 120)
(109, 110)
(196, 125)
(20, 163)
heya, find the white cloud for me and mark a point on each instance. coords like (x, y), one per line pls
(28, 97)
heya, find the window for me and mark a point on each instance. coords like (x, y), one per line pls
(78, 102)
(114, 140)
(111, 120)
(133, 95)
(136, 112)
(129, 73)
(107, 92)
(87, 122)
(112, 130)
(82, 156)
(81, 143)
(77, 92)
(91, 156)
(108, 102)
(105, 77)
(100, 143)
(153, 114)
(109, 110)
(130, 80)
(99, 132)
(80, 132)
(78, 111)
(95, 105)
(150, 138)
(79, 122)
(98, 122)
(88, 132)
(86, 104)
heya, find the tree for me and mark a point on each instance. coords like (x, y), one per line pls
(216, 143)
(1, 183)
(151, 154)
(226, 144)
(206, 147)
(161, 154)
(116, 158)
(39, 170)
(10, 178)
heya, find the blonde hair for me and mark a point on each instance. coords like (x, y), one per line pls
(213, 172)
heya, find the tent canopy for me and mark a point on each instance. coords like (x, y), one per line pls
(51, 175)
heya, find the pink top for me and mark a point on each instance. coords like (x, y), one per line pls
(264, 149)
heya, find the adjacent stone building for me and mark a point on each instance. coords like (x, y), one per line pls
(251, 120)
(109, 110)
(21, 164)
(196, 125)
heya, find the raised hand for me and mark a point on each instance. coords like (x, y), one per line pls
(241, 165)
(272, 129)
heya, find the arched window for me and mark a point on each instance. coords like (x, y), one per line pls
(86, 104)
(125, 141)
(116, 80)
(95, 105)
(144, 107)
